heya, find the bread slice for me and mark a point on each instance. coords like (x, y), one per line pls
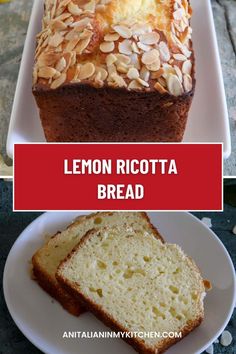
(135, 283)
(47, 259)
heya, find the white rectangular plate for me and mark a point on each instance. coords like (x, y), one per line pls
(208, 119)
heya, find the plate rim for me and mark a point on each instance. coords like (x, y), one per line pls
(37, 344)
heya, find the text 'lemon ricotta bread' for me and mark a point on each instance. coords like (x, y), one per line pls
(135, 283)
(114, 70)
(47, 259)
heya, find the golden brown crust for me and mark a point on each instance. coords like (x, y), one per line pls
(74, 289)
(52, 287)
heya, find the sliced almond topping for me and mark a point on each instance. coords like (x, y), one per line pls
(145, 73)
(187, 67)
(139, 29)
(90, 6)
(81, 24)
(121, 68)
(144, 47)
(82, 45)
(159, 88)
(119, 80)
(111, 37)
(71, 44)
(107, 47)
(188, 84)
(63, 3)
(157, 74)
(58, 82)
(111, 70)
(174, 85)
(134, 85)
(154, 66)
(133, 74)
(47, 72)
(149, 38)
(125, 47)
(123, 58)
(87, 70)
(150, 57)
(185, 51)
(57, 25)
(179, 57)
(123, 31)
(178, 14)
(142, 82)
(47, 59)
(135, 48)
(56, 40)
(61, 65)
(102, 73)
(164, 51)
(179, 73)
(74, 9)
(110, 59)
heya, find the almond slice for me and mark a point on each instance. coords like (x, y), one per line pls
(150, 57)
(145, 73)
(179, 57)
(74, 9)
(157, 74)
(82, 45)
(133, 74)
(187, 67)
(134, 85)
(179, 73)
(149, 38)
(61, 65)
(164, 51)
(144, 47)
(123, 58)
(111, 37)
(159, 88)
(154, 66)
(87, 70)
(47, 72)
(110, 59)
(125, 47)
(56, 40)
(123, 31)
(174, 85)
(107, 47)
(102, 73)
(188, 83)
(81, 24)
(142, 82)
(119, 80)
(57, 25)
(58, 82)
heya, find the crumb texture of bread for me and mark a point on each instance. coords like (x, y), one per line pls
(130, 63)
(47, 259)
(134, 282)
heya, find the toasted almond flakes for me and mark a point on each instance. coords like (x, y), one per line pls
(159, 88)
(123, 31)
(55, 40)
(149, 38)
(179, 57)
(58, 82)
(188, 85)
(154, 66)
(111, 37)
(47, 72)
(134, 85)
(107, 47)
(119, 80)
(87, 70)
(125, 47)
(74, 9)
(110, 59)
(150, 57)
(164, 51)
(187, 67)
(61, 64)
(133, 74)
(174, 85)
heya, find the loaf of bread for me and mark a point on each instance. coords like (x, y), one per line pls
(47, 259)
(114, 70)
(135, 283)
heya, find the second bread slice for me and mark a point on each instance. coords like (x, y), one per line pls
(47, 259)
(135, 283)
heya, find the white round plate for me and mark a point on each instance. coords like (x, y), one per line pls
(43, 321)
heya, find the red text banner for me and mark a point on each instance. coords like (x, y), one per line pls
(118, 177)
